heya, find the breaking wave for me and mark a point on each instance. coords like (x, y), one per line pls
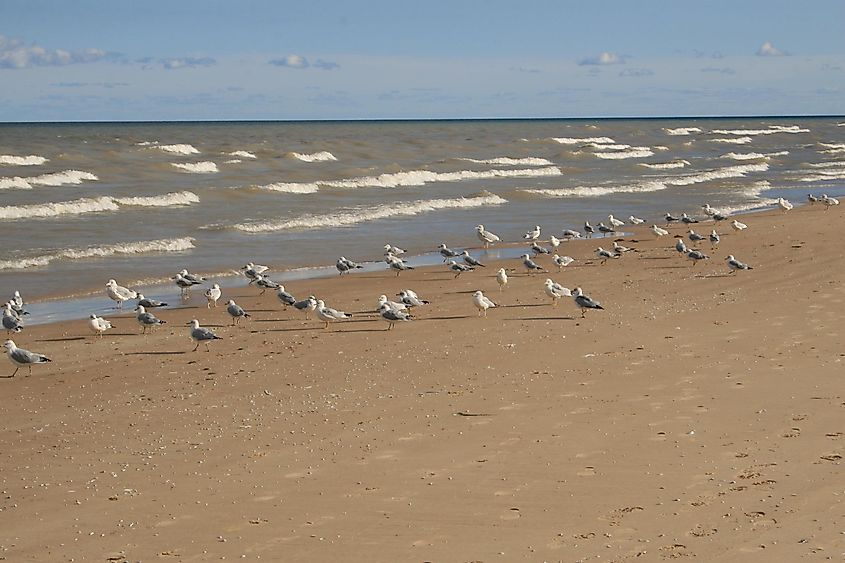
(355, 215)
(507, 161)
(183, 149)
(753, 155)
(582, 140)
(635, 152)
(718, 174)
(732, 141)
(94, 205)
(322, 156)
(771, 130)
(31, 160)
(596, 191)
(54, 179)
(205, 167)
(242, 154)
(824, 175)
(665, 165)
(682, 130)
(140, 247)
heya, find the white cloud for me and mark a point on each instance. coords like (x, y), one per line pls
(769, 50)
(15, 54)
(603, 59)
(291, 61)
(187, 62)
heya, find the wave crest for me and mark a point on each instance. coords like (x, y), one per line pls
(753, 155)
(31, 160)
(183, 149)
(140, 247)
(205, 167)
(582, 140)
(681, 130)
(52, 180)
(508, 161)
(635, 152)
(242, 154)
(596, 191)
(771, 130)
(322, 156)
(732, 141)
(665, 165)
(94, 205)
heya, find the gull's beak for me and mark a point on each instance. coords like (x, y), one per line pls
(188, 324)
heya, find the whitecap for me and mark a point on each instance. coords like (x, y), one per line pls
(665, 165)
(753, 155)
(322, 156)
(94, 205)
(291, 188)
(205, 167)
(732, 141)
(824, 175)
(182, 149)
(582, 140)
(681, 130)
(771, 130)
(31, 160)
(596, 191)
(356, 215)
(166, 200)
(830, 164)
(737, 171)
(508, 161)
(635, 152)
(54, 179)
(139, 247)
(242, 154)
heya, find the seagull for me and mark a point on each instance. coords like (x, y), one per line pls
(695, 237)
(186, 284)
(719, 217)
(395, 263)
(681, 247)
(687, 219)
(21, 357)
(146, 319)
(17, 304)
(784, 204)
(659, 231)
(329, 315)
(502, 278)
(254, 269)
(714, 238)
(562, 261)
(605, 230)
(570, 234)
(619, 249)
(192, 277)
(236, 312)
(470, 260)
(735, 264)
(538, 250)
(306, 305)
(555, 291)
(812, 199)
(584, 302)
(200, 334)
(670, 218)
(395, 250)
(482, 303)
(393, 316)
(284, 297)
(410, 299)
(459, 268)
(447, 252)
(486, 236)
(636, 220)
(588, 229)
(149, 303)
(554, 241)
(395, 305)
(738, 226)
(98, 325)
(709, 211)
(11, 322)
(530, 265)
(614, 222)
(265, 283)
(344, 264)
(829, 201)
(533, 234)
(696, 255)
(212, 294)
(603, 254)
(119, 294)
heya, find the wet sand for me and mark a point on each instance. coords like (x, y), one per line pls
(699, 415)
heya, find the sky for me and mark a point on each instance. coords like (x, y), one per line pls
(115, 60)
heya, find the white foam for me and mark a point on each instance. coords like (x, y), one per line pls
(363, 214)
(322, 156)
(54, 179)
(830, 164)
(635, 152)
(607, 146)
(242, 154)
(772, 129)
(833, 145)
(508, 161)
(31, 160)
(833, 151)
(182, 149)
(205, 167)
(94, 205)
(596, 191)
(665, 165)
(824, 175)
(291, 188)
(140, 247)
(737, 171)
(233, 161)
(732, 141)
(682, 130)
(753, 155)
(582, 140)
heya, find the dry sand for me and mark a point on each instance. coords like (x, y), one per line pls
(699, 415)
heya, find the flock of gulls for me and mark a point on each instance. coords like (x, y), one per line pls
(393, 312)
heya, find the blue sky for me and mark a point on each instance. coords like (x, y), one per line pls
(154, 60)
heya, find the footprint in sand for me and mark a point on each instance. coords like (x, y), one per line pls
(511, 514)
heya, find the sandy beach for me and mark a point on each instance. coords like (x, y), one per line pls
(699, 415)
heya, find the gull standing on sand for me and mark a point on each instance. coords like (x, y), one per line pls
(284, 297)
(486, 236)
(695, 237)
(410, 299)
(344, 264)
(670, 218)
(554, 242)
(119, 294)
(470, 260)
(236, 311)
(329, 315)
(11, 322)
(588, 229)
(614, 222)
(306, 305)
(562, 261)
(393, 316)
(146, 319)
(570, 234)
(709, 211)
(619, 249)
(584, 302)
(538, 249)
(686, 219)
(459, 268)
(605, 230)
(530, 264)
(192, 277)
(396, 306)
(395, 250)
(251, 269)
(829, 201)
(212, 294)
(265, 283)
(735, 264)
(185, 284)
(658, 231)
(555, 291)
(396, 263)
(714, 238)
(784, 205)
(533, 234)
(21, 357)
(681, 247)
(98, 325)
(149, 303)
(738, 226)
(502, 278)
(200, 334)
(636, 220)
(603, 254)
(696, 255)
(447, 252)
(482, 303)
(17, 304)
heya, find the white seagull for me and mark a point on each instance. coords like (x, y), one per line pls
(636, 220)
(395, 250)
(562, 261)
(658, 231)
(200, 334)
(533, 234)
(98, 325)
(410, 299)
(383, 300)
(738, 226)
(555, 291)
(502, 278)
(119, 294)
(735, 264)
(212, 294)
(829, 201)
(486, 236)
(482, 303)
(584, 302)
(530, 264)
(21, 357)
(146, 319)
(329, 315)
(614, 222)
(784, 204)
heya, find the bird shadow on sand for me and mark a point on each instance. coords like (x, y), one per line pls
(520, 306)
(65, 339)
(157, 353)
(715, 276)
(286, 329)
(357, 330)
(541, 319)
(444, 318)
